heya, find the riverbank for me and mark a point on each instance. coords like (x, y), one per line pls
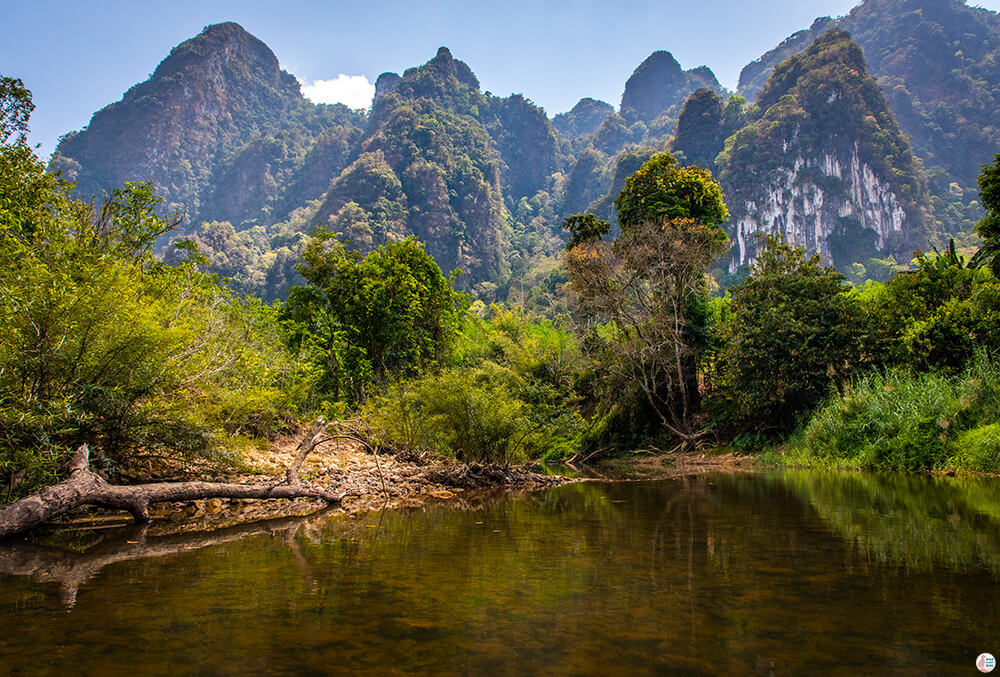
(384, 481)
(368, 482)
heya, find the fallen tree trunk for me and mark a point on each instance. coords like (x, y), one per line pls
(85, 487)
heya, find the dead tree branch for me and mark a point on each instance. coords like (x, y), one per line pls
(85, 487)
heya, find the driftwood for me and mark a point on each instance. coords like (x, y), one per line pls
(85, 487)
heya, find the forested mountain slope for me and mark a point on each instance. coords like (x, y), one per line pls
(823, 163)
(485, 181)
(222, 131)
(938, 63)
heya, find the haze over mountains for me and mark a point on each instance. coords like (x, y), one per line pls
(861, 140)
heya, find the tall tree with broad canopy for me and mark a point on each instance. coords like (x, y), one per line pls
(788, 333)
(650, 289)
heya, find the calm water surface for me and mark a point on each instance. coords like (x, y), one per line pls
(786, 573)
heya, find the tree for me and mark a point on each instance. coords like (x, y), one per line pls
(15, 108)
(100, 343)
(660, 191)
(364, 320)
(585, 228)
(650, 288)
(989, 227)
(788, 334)
(934, 317)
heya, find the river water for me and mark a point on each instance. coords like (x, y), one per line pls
(752, 573)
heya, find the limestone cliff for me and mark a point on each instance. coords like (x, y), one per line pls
(938, 64)
(823, 163)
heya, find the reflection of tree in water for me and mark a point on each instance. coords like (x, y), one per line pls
(918, 522)
(709, 575)
(70, 569)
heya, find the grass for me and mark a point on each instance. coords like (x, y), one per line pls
(900, 420)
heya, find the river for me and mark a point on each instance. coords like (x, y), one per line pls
(782, 573)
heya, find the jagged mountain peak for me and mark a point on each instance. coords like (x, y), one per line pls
(584, 118)
(823, 163)
(448, 66)
(217, 95)
(226, 47)
(660, 61)
(659, 86)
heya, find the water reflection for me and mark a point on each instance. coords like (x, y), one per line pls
(914, 521)
(744, 574)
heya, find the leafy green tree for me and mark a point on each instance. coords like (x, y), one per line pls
(362, 321)
(650, 289)
(787, 335)
(585, 228)
(101, 343)
(15, 108)
(661, 191)
(989, 227)
(934, 317)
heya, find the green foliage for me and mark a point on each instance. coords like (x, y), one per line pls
(934, 317)
(989, 227)
(977, 450)
(363, 321)
(100, 343)
(510, 394)
(660, 190)
(472, 419)
(900, 420)
(585, 228)
(15, 108)
(649, 288)
(786, 336)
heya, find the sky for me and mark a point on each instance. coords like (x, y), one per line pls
(78, 57)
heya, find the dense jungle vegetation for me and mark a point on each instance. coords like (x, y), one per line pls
(151, 359)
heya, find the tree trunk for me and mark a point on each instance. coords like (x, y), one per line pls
(84, 487)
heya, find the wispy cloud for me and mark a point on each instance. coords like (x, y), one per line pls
(353, 91)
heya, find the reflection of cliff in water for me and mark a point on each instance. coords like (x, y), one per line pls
(918, 522)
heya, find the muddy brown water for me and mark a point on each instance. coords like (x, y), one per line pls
(748, 573)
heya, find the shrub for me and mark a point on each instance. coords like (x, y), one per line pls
(458, 414)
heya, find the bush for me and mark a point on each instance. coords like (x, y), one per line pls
(509, 395)
(457, 414)
(977, 450)
(100, 343)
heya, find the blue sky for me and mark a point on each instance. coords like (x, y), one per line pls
(77, 57)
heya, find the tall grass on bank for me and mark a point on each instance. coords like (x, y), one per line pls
(900, 420)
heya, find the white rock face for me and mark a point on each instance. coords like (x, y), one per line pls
(806, 214)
